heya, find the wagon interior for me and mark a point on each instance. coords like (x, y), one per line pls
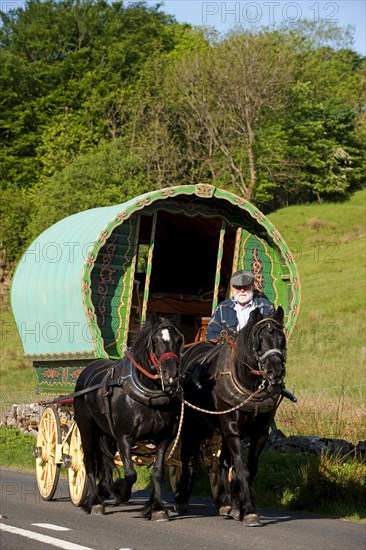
(183, 269)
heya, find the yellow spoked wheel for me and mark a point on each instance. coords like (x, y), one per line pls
(78, 486)
(47, 470)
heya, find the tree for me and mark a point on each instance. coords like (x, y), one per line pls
(120, 99)
(225, 93)
(103, 177)
(65, 66)
(316, 140)
(69, 70)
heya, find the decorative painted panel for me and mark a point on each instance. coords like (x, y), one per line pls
(58, 377)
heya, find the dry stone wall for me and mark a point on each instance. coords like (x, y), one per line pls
(26, 417)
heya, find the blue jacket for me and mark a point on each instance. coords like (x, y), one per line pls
(225, 318)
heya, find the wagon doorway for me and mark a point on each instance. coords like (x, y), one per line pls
(183, 267)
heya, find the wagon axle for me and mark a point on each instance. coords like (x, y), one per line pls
(37, 452)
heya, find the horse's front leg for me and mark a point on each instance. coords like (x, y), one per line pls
(184, 487)
(155, 509)
(223, 500)
(255, 449)
(123, 487)
(243, 507)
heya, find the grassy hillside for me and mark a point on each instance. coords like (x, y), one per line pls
(326, 352)
(326, 355)
(327, 347)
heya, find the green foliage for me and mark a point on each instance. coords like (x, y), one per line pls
(325, 484)
(327, 241)
(15, 208)
(317, 141)
(16, 449)
(274, 115)
(107, 176)
(16, 374)
(65, 65)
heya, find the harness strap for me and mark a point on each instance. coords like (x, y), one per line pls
(273, 351)
(141, 369)
(67, 398)
(106, 407)
(111, 380)
(254, 371)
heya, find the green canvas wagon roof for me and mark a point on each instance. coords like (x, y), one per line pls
(68, 278)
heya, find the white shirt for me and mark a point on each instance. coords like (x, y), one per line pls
(243, 312)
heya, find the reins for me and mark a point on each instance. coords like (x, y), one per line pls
(229, 340)
(226, 411)
(254, 394)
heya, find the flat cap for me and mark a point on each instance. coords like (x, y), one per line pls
(242, 278)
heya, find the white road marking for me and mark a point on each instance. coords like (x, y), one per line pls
(165, 334)
(51, 526)
(52, 541)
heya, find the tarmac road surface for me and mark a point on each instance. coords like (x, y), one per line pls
(29, 523)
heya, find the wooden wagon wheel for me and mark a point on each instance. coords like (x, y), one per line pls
(47, 470)
(78, 486)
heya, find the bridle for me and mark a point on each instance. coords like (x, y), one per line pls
(156, 361)
(260, 358)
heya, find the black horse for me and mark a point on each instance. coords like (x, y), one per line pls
(242, 380)
(124, 402)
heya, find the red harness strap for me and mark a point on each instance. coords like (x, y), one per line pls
(167, 355)
(154, 361)
(140, 368)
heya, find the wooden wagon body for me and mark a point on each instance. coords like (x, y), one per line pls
(86, 281)
(89, 280)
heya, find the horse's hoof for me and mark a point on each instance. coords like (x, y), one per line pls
(181, 509)
(121, 491)
(159, 516)
(252, 520)
(225, 510)
(98, 510)
(235, 514)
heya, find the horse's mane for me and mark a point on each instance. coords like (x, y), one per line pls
(244, 351)
(244, 344)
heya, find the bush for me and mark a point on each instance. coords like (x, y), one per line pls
(16, 449)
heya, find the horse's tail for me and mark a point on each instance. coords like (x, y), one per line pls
(105, 464)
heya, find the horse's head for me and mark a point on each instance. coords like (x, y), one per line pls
(165, 349)
(268, 343)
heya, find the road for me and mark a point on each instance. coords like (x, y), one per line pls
(29, 523)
